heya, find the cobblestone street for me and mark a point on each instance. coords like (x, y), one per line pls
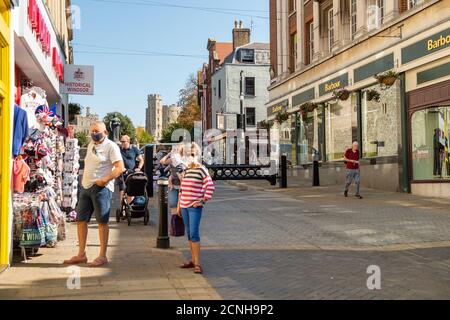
(261, 242)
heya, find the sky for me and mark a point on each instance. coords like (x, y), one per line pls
(119, 37)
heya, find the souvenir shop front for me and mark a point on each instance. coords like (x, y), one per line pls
(44, 175)
(44, 153)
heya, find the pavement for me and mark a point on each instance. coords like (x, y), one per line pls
(137, 269)
(263, 242)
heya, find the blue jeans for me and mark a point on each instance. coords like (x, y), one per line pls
(191, 218)
(96, 200)
(353, 174)
(173, 198)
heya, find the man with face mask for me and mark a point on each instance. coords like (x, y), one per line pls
(103, 164)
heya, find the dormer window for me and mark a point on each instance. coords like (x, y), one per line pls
(246, 56)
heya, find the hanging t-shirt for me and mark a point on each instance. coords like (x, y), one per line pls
(29, 102)
(21, 174)
(20, 131)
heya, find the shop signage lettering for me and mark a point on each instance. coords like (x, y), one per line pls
(426, 46)
(58, 65)
(78, 80)
(39, 26)
(438, 43)
(279, 107)
(333, 84)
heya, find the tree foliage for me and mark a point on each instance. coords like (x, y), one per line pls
(74, 109)
(166, 136)
(188, 100)
(126, 125)
(83, 139)
(190, 88)
(144, 138)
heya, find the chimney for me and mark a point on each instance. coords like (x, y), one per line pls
(88, 111)
(241, 35)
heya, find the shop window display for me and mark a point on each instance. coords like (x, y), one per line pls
(380, 121)
(310, 136)
(287, 145)
(340, 127)
(430, 130)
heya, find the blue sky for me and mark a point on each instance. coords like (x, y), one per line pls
(122, 82)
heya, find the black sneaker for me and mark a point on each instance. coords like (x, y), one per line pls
(346, 194)
(358, 196)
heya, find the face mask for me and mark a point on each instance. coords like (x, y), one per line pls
(97, 137)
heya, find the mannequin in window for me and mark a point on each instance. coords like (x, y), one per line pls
(438, 153)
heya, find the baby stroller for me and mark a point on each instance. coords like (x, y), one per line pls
(135, 186)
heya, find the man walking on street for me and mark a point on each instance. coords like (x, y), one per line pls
(129, 155)
(103, 164)
(351, 159)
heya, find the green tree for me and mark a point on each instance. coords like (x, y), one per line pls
(166, 136)
(126, 125)
(74, 109)
(145, 138)
(83, 139)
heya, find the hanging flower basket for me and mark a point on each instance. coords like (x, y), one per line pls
(281, 117)
(264, 125)
(308, 107)
(388, 78)
(342, 94)
(373, 95)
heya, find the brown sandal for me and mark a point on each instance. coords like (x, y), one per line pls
(187, 265)
(198, 269)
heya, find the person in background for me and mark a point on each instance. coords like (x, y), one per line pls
(351, 159)
(103, 164)
(196, 189)
(130, 154)
(176, 166)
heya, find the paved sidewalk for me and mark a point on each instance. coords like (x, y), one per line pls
(335, 194)
(137, 270)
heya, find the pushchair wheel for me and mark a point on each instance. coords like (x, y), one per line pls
(118, 215)
(128, 212)
(146, 217)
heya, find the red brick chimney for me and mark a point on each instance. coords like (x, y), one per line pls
(241, 35)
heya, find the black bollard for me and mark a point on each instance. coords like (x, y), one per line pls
(283, 181)
(163, 241)
(316, 181)
(148, 168)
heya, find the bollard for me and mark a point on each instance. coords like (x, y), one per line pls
(163, 241)
(283, 181)
(148, 168)
(316, 181)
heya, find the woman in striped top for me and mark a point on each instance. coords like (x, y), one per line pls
(196, 188)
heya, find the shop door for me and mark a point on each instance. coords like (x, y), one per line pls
(5, 152)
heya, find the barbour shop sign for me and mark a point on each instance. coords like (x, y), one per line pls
(279, 107)
(426, 46)
(333, 84)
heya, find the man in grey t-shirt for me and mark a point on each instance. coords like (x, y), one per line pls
(103, 164)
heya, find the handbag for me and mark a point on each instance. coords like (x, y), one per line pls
(176, 226)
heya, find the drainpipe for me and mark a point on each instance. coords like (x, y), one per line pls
(404, 162)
